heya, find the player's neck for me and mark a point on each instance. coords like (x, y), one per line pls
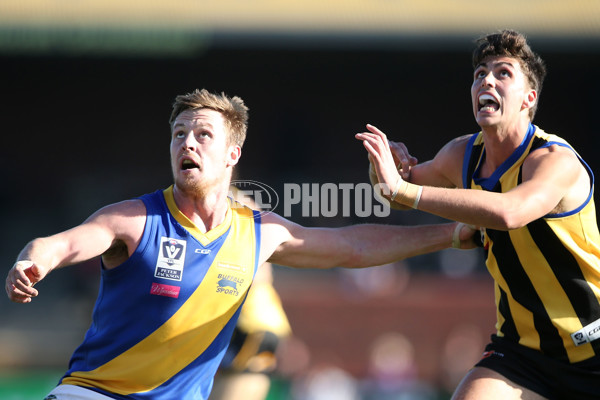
(206, 211)
(501, 142)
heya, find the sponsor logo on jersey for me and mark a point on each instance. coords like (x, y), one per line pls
(230, 266)
(228, 284)
(171, 258)
(160, 289)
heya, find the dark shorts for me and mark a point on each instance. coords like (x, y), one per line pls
(548, 377)
(250, 352)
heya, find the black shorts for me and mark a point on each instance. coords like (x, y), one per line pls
(548, 377)
(253, 352)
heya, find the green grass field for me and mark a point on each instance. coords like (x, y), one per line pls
(27, 385)
(35, 385)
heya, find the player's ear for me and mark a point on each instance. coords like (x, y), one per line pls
(529, 100)
(235, 152)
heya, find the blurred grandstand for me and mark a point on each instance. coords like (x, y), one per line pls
(86, 94)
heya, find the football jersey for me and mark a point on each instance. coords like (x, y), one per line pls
(547, 273)
(163, 319)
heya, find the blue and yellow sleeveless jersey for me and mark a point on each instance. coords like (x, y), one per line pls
(547, 273)
(163, 319)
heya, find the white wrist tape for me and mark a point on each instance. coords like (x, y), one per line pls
(418, 198)
(456, 234)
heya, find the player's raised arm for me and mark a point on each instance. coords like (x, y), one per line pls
(116, 226)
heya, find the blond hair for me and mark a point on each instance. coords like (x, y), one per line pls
(233, 109)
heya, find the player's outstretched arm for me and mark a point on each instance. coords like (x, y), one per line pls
(115, 224)
(356, 246)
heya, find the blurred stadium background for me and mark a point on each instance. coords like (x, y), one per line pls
(86, 90)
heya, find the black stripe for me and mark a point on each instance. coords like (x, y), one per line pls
(524, 293)
(475, 155)
(568, 273)
(508, 326)
(537, 143)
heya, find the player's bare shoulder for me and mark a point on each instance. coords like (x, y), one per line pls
(460, 142)
(445, 169)
(126, 220)
(561, 166)
(132, 210)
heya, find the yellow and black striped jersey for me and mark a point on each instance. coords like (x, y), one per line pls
(547, 273)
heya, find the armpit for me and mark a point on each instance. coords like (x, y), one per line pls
(116, 255)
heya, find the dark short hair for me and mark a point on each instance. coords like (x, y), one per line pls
(513, 44)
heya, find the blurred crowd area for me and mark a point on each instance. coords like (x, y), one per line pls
(85, 111)
(398, 331)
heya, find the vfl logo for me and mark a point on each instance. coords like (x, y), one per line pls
(579, 338)
(228, 284)
(171, 250)
(170, 260)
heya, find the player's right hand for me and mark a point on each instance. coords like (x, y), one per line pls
(20, 280)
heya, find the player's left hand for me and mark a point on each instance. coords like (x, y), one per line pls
(381, 157)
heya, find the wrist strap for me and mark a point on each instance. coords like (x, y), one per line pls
(418, 198)
(455, 236)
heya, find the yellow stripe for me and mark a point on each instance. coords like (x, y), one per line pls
(499, 317)
(189, 332)
(522, 318)
(553, 297)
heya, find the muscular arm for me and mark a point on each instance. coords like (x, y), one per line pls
(110, 228)
(553, 180)
(356, 246)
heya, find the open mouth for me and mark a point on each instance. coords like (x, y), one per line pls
(488, 103)
(188, 164)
